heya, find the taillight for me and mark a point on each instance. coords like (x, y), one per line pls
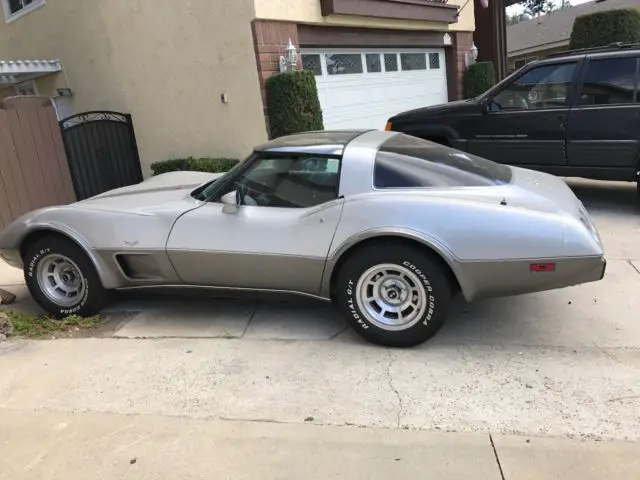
(542, 267)
(388, 127)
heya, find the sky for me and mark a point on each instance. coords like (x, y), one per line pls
(515, 9)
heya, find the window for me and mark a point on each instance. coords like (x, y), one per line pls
(547, 86)
(373, 63)
(301, 181)
(390, 62)
(344, 63)
(408, 162)
(313, 63)
(17, 8)
(434, 61)
(413, 61)
(609, 81)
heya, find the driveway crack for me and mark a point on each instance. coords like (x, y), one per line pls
(495, 453)
(394, 390)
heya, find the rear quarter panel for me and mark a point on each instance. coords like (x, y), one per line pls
(463, 231)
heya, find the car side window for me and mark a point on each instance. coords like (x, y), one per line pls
(609, 81)
(298, 181)
(546, 86)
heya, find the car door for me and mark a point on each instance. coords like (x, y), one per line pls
(604, 125)
(279, 235)
(525, 122)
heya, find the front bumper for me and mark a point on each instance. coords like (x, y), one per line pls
(11, 257)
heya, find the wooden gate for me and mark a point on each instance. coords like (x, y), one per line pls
(34, 171)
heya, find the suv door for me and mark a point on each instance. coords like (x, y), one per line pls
(526, 120)
(604, 125)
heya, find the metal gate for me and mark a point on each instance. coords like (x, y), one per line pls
(102, 152)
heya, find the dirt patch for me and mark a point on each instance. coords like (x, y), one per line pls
(41, 327)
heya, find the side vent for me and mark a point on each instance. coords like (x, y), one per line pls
(139, 266)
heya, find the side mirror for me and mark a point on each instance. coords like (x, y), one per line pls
(484, 105)
(230, 202)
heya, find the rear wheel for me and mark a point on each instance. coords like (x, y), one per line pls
(393, 295)
(62, 279)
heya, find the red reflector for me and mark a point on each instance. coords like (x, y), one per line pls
(543, 267)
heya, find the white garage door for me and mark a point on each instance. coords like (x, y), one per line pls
(362, 89)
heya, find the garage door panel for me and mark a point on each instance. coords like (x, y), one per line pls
(367, 100)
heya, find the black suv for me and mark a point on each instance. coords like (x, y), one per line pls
(575, 113)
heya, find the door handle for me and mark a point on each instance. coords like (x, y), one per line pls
(562, 119)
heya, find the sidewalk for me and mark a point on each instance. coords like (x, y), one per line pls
(78, 446)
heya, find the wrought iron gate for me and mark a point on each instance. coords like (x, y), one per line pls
(102, 152)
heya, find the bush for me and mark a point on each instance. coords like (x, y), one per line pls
(479, 78)
(602, 28)
(211, 165)
(292, 103)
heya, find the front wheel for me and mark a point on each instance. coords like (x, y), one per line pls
(62, 279)
(395, 296)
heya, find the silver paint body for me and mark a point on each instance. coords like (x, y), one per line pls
(169, 238)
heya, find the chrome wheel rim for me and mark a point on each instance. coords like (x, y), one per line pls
(391, 297)
(60, 280)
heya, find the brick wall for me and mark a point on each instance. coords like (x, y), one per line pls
(462, 43)
(271, 39)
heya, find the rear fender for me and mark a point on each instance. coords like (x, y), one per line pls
(429, 242)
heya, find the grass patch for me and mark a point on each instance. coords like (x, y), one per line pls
(34, 326)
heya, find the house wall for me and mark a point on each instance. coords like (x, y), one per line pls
(165, 62)
(530, 56)
(308, 11)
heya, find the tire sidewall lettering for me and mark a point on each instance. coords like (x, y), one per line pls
(431, 300)
(32, 268)
(33, 263)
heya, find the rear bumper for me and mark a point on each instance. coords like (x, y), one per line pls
(514, 277)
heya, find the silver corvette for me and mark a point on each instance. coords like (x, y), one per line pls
(387, 226)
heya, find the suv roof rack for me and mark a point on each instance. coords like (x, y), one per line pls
(612, 47)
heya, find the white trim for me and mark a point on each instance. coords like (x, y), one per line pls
(29, 84)
(18, 71)
(10, 17)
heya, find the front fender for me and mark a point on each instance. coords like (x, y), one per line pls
(13, 237)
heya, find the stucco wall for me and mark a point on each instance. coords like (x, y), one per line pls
(308, 11)
(165, 64)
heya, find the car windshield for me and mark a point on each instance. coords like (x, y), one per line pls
(409, 162)
(203, 192)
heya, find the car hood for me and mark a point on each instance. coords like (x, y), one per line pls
(155, 193)
(434, 110)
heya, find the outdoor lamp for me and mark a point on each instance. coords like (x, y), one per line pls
(474, 52)
(290, 58)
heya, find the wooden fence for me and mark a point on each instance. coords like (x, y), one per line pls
(34, 171)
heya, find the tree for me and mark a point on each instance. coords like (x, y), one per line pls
(538, 7)
(602, 28)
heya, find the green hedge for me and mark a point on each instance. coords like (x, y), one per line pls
(479, 78)
(211, 165)
(292, 103)
(602, 28)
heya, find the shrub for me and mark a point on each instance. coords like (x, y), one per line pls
(479, 78)
(211, 165)
(292, 103)
(602, 28)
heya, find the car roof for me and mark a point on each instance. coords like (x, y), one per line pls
(327, 142)
(612, 49)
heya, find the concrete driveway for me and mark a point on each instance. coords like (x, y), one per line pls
(522, 377)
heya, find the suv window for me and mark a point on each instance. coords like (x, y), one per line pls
(609, 81)
(404, 161)
(291, 181)
(546, 86)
